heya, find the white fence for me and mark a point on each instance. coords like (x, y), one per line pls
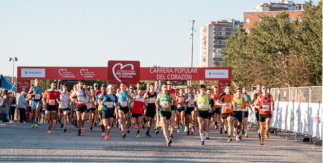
(298, 110)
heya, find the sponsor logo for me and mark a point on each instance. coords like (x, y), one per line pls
(223, 74)
(66, 74)
(86, 73)
(123, 73)
(33, 72)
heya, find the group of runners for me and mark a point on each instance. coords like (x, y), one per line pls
(184, 108)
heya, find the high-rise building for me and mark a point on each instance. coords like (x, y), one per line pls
(213, 37)
(272, 9)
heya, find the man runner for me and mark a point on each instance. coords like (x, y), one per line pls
(63, 106)
(202, 109)
(245, 116)
(35, 93)
(50, 103)
(257, 106)
(225, 101)
(190, 109)
(266, 102)
(211, 113)
(180, 109)
(216, 96)
(164, 104)
(150, 96)
(238, 106)
(173, 107)
(137, 111)
(99, 100)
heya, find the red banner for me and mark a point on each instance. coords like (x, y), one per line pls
(222, 84)
(23, 85)
(184, 73)
(123, 72)
(62, 73)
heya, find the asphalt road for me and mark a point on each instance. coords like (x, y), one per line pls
(20, 143)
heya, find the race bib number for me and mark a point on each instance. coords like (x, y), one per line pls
(37, 96)
(238, 107)
(227, 105)
(124, 103)
(181, 99)
(152, 100)
(110, 104)
(51, 102)
(245, 109)
(202, 106)
(165, 104)
(265, 107)
(64, 104)
(192, 101)
(80, 100)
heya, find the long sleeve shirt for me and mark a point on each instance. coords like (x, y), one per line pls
(22, 103)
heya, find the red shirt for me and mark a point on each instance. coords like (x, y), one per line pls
(98, 92)
(173, 91)
(51, 97)
(138, 105)
(256, 96)
(265, 103)
(215, 98)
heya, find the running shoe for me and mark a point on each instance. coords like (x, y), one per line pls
(95, 124)
(266, 134)
(143, 126)
(207, 137)
(234, 132)
(49, 131)
(148, 135)
(32, 125)
(237, 138)
(169, 142)
(124, 135)
(171, 136)
(182, 127)
(102, 135)
(242, 131)
(79, 134)
(61, 125)
(156, 131)
(220, 130)
(193, 129)
(262, 142)
(138, 136)
(185, 130)
(128, 131)
(106, 137)
(188, 133)
(125, 129)
(83, 130)
(240, 137)
(64, 129)
(136, 126)
(192, 132)
(215, 126)
(36, 125)
(230, 139)
(202, 143)
(246, 135)
(91, 128)
(225, 131)
(178, 131)
(54, 124)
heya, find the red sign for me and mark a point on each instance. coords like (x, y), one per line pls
(123, 72)
(23, 85)
(184, 73)
(62, 73)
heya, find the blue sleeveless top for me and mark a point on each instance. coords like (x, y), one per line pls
(123, 97)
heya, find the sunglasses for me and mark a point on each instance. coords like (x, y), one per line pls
(131, 88)
(264, 88)
(96, 86)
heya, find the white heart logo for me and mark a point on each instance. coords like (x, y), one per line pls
(121, 67)
(82, 70)
(61, 70)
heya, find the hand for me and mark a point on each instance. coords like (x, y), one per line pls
(101, 106)
(273, 108)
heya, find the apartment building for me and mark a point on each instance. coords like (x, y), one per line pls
(271, 9)
(213, 37)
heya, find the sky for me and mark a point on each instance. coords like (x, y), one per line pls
(83, 33)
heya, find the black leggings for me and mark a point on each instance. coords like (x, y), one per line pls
(12, 113)
(22, 115)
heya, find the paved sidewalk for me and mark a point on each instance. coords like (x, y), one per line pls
(20, 143)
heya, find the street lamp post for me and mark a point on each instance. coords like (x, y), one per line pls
(13, 66)
(193, 21)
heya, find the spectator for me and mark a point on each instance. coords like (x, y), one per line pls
(12, 109)
(3, 114)
(6, 97)
(22, 105)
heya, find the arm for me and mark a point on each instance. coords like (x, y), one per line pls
(72, 96)
(44, 99)
(88, 93)
(24, 101)
(157, 108)
(30, 93)
(129, 96)
(186, 98)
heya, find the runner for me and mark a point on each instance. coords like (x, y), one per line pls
(35, 93)
(163, 104)
(50, 103)
(137, 110)
(257, 106)
(216, 96)
(238, 106)
(110, 101)
(211, 113)
(92, 109)
(225, 101)
(245, 116)
(87, 112)
(123, 108)
(266, 102)
(81, 104)
(150, 96)
(181, 98)
(173, 107)
(63, 106)
(99, 99)
(189, 111)
(202, 109)
(157, 89)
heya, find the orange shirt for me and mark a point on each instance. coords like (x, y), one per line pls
(226, 98)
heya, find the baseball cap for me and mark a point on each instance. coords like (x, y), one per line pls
(110, 86)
